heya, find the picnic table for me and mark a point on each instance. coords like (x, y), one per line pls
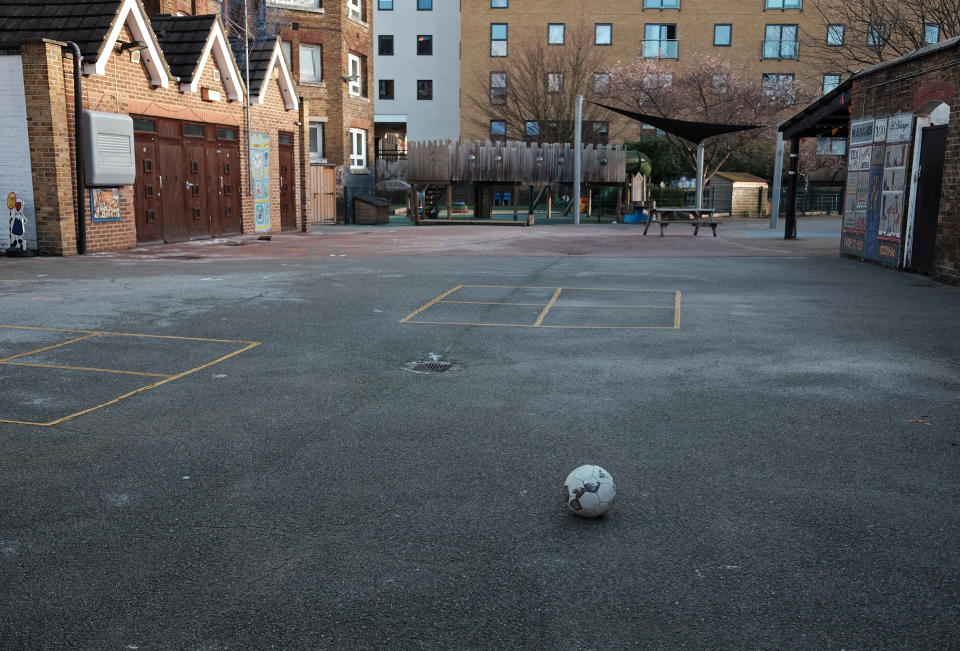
(696, 217)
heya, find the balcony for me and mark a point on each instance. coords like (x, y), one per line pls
(780, 49)
(660, 49)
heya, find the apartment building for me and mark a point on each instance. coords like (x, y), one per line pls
(775, 41)
(417, 72)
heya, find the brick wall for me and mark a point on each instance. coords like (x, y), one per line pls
(915, 86)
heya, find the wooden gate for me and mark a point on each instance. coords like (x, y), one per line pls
(323, 194)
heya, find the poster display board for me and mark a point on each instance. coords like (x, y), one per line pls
(105, 204)
(260, 171)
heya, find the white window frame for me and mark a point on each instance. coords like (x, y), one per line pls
(355, 10)
(358, 140)
(314, 54)
(316, 156)
(355, 68)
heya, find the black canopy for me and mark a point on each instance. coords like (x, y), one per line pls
(693, 131)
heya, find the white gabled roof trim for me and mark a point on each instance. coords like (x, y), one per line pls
(230, 74)
(286, 81)
(131, 15)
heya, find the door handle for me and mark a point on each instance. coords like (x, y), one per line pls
(161, 183)
(221, 183)
(189, 184)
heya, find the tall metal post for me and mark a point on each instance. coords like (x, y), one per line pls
(246, 102)
(777, 181)
(577, 154)
(790, 228)
(699, 176)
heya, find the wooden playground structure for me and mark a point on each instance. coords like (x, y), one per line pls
(499, 170)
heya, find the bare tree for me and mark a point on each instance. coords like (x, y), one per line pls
(852, 35)
(532, 95)
(708, 90)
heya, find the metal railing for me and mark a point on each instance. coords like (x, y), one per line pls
(659, 49)
(781, 49)
(392, 154)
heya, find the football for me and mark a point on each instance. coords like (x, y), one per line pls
(589, 491)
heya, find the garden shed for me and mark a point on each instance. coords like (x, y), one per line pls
(738, 194)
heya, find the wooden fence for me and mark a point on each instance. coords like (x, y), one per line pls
(511, 162)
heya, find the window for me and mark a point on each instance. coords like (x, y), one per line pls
(877, 35)
(659, 41)
(784, 4)
(498, 39)
(141, 124)
(424, 44)
(356, 80)
(228, 134)
(425, 89)
(720, 84)
(286, 4)
(603, 34)
(835, 35)
(601, 83)
(779, 87)
(355, 9)
(652, 80)
(531, 129)
(311, 63)
(424, 5)
(556, 33)
(831, 146)
(358, 149)
(931, 34)
(288, 58)
(830, 82)
(499, 4)
(722, 35)
(316, 142)
(780, 42)
(600, 132)
(498, 130)
(661, 4)
(554, 82)
(498, 88)
(385, 45)
(386, 89)
(385, 5)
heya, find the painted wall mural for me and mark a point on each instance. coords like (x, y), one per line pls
(18, 223)
(260, 171)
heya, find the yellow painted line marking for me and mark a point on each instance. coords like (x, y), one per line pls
(570, 289)
(553, 299)
(491, 303)
(85, 368)
(524, 325)
(131, 334)
(171, 378)
(22, 422)
(630, 307)
(421, 309)
(676, 311)
(51, 347)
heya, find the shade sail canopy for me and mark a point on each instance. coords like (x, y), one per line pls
(695, 132)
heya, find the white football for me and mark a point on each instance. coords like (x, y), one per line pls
(589, 491)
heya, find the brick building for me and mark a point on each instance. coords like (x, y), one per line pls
(178, 80)
(903, 180)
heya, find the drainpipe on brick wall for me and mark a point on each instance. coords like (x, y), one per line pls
(246, 58)
(77, 114)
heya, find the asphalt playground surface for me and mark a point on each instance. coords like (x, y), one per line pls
(223, 444)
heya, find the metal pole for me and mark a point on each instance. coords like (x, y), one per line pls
(246, 56)
(790, 228)
(777, 181)
(699, 176)
(577, 152)
(77, 122)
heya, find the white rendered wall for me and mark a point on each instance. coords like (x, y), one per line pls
(16, 174)
(434, 119)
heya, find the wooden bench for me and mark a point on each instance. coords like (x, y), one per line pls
(696, 218)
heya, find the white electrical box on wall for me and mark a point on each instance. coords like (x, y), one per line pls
(107, 143)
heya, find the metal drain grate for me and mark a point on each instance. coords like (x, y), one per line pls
(431, 367)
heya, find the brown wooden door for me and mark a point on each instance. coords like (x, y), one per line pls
(146, 189)
(229, 177)
(323, 194)
(194, 181)
(214, 192)
(173, 226)
(288, 213)
(933, 146)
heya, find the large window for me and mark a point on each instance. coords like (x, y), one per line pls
(316, 142)
(498, 39)
(931, 34)
(498, 88)
(311, 63)
(603, 34)
(385, 5)
(556, 33)
(784, 4)
(386, 89)
(498, 130)
(779, 87)
(601, 83)
(661, 4)
(355, 83)
(659, 41)
(877, 35)
(780, 42)
(722, 35)
(425, 89)
(358, 148)
(830, 82)
(835, 35)
(385, 45)
(499, 4)
(424, 44)
(554, 82)
(531, 129)
(355, 9)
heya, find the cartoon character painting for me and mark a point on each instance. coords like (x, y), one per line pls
(18, 222)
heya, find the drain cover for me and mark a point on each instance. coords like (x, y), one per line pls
(431, 367)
